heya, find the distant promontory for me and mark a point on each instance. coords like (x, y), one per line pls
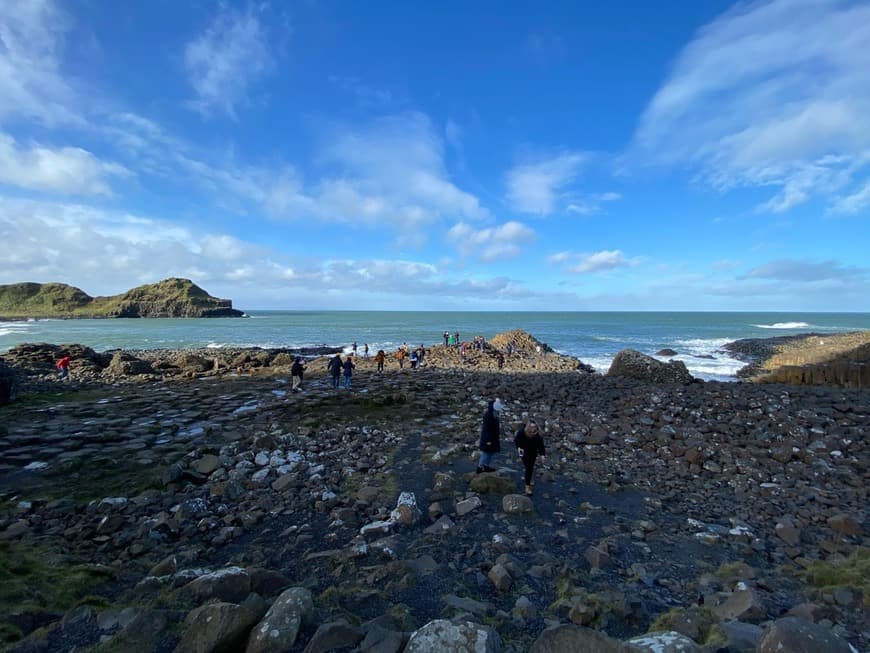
(168, 298)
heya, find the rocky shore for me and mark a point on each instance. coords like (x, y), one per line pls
(189, 501)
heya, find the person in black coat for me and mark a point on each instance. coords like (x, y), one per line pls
(529, 445)
(334, 366)
(490, 430)
(296, 372)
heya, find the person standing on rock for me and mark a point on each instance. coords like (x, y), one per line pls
(400, 356)
(366, 351)
(446, 338)
(379, 359)
(529, 445)
(296, 373)
(334, 367)
(63, 367)
(490, 431)
(348, 371)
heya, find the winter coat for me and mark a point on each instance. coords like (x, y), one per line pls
(348, 367)
(490, 431)
(334, 366)
(298, 369)
(532, 447)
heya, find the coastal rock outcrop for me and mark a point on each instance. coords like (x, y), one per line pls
(168, 298)
(635, 365)
(660, 506)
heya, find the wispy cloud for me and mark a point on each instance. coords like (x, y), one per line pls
(32, 85)
(226, 60)
(590, 262)
(853, 203)
(66, 170)
(771, 94)
(490, 244)
(803, 271)
(542, 186)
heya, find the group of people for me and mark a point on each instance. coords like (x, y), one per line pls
(528, 442)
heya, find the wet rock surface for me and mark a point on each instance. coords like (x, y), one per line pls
(218, 496)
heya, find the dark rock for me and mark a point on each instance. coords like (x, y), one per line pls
(793, 635)
(576, 639)
(633, 364)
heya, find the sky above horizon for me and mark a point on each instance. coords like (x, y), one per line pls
(442, 156)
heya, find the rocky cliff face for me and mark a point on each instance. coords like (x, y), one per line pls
(169, 298)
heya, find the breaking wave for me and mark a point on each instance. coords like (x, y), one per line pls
(783, 325)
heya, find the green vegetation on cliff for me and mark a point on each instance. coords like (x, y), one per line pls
(167, 298)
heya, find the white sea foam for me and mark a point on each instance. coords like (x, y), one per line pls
(783, 325)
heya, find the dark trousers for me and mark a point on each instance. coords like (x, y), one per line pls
(529, 464)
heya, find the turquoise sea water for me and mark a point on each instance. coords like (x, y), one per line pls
(594, 337)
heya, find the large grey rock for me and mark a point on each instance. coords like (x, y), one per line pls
(279, 628)
(334, 635)
(516, 504)
(232, 585)
(217, 627)
(744, 605)
(576, 639)
(443, 635)
(793, 635)
(635, 365)
(742, 637)
(666, 642)
(125, 364)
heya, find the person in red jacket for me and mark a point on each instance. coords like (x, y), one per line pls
(63, 366)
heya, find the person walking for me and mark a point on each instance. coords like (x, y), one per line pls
(413, 359)
(63, 367)
(379, 359)
(334, 367)
(490, 432)
(366, 350)
(400, 356)
(348, 371)
(296, 373)
(529, 445)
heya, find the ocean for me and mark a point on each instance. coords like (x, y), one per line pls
(593, 337)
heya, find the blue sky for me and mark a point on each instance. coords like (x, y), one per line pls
(433, 156)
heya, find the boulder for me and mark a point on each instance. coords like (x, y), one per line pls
(279, 628)
(576, 639)
(666, 642)
(231, 584)
(743, 604)
(220, 626)
(633, 364)
(516, 504)
(126, 364)
(464, 637)
(493, 483)
(334, 635)
(793, 635)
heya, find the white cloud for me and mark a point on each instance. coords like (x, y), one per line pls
(586, 262)
(770, 94)
(106, 252)
(68, 170)
(539, 187)
(32, 85)
(229, 57)
(854, 203)
(490, 244)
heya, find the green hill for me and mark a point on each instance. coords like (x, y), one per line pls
(167, 298)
